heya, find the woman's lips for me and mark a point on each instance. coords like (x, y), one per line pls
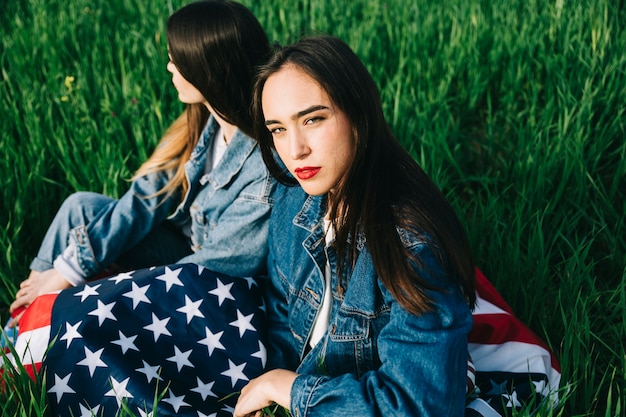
(306, 173)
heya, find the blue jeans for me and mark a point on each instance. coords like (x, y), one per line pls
(165, 244)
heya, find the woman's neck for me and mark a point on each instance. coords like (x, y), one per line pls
(228, 129)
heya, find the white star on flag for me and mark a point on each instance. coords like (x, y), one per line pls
(158, 327)
(121, 277)
(143, 413)
(175, 401)
(126, 343)
(243, 323)
(512, 400)
(103, 312)
(87, 291)
(71, 333)
(222, 292)
(88, 412)
(61, 386)
(204, 389)
(92, 360)
(235, 372)
(540, 387)
(191, 309)
(229, 410)
(251, 282)
(119, 390)
(138, 294)
(181, 358)
(212, 341)
(170, 278)
(151, 372)
(261, 354)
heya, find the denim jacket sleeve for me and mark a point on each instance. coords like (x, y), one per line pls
(121, 224)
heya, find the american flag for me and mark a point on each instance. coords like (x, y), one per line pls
(178, 339)
(193, 337)
(513, 367)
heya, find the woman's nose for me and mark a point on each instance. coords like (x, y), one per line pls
(298, 146)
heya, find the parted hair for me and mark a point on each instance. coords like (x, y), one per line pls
(384, 187)
(216, 45)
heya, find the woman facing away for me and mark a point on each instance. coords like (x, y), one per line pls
(176, 339)
(203, 195)
(370, 277)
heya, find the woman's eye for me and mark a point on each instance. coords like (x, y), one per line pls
(276, 130)
(312, 120)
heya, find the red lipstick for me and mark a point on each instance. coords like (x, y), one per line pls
(306, 173)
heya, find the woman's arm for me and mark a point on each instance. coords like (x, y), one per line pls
(422, 373)
(120, 225)
(236, 244)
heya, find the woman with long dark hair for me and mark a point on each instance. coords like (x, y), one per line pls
(371, 279)
(203, 195)
(171, 339)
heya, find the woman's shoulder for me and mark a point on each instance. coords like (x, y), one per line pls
(412, 237)
(292, 206)
(411, 234)
(288, 199)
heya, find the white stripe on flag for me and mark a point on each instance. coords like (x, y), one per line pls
(514, 357)
(485, 307)
(483, 408)
(32, 353)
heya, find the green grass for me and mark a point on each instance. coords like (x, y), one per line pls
(516, 108)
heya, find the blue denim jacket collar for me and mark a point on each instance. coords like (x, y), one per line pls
(312, 211)
(239, 149)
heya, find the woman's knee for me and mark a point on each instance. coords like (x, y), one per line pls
(84, 203)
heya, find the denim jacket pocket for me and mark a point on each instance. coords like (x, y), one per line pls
(350, 339)
(349, 327)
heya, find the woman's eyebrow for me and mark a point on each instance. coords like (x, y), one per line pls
(301, 113)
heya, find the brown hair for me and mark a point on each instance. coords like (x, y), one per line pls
(216, 45)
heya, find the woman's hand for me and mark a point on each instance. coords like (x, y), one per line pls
(271, 387)
(36, 284)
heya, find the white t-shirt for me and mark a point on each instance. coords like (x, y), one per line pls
(218, 147)
(323, 316)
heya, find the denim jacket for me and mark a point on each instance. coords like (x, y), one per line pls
(375, 359)
(229, 210)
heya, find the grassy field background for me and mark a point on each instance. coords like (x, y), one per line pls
(516, 108)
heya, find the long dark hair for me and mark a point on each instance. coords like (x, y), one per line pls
(216, 45)
(384, 187)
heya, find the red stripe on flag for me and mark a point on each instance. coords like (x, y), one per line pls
(39, 313)
(488, 292)
(33, 337)
(497, 329)
(501, 328)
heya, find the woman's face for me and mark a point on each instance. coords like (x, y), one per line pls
(187, 93)
(312, 136)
